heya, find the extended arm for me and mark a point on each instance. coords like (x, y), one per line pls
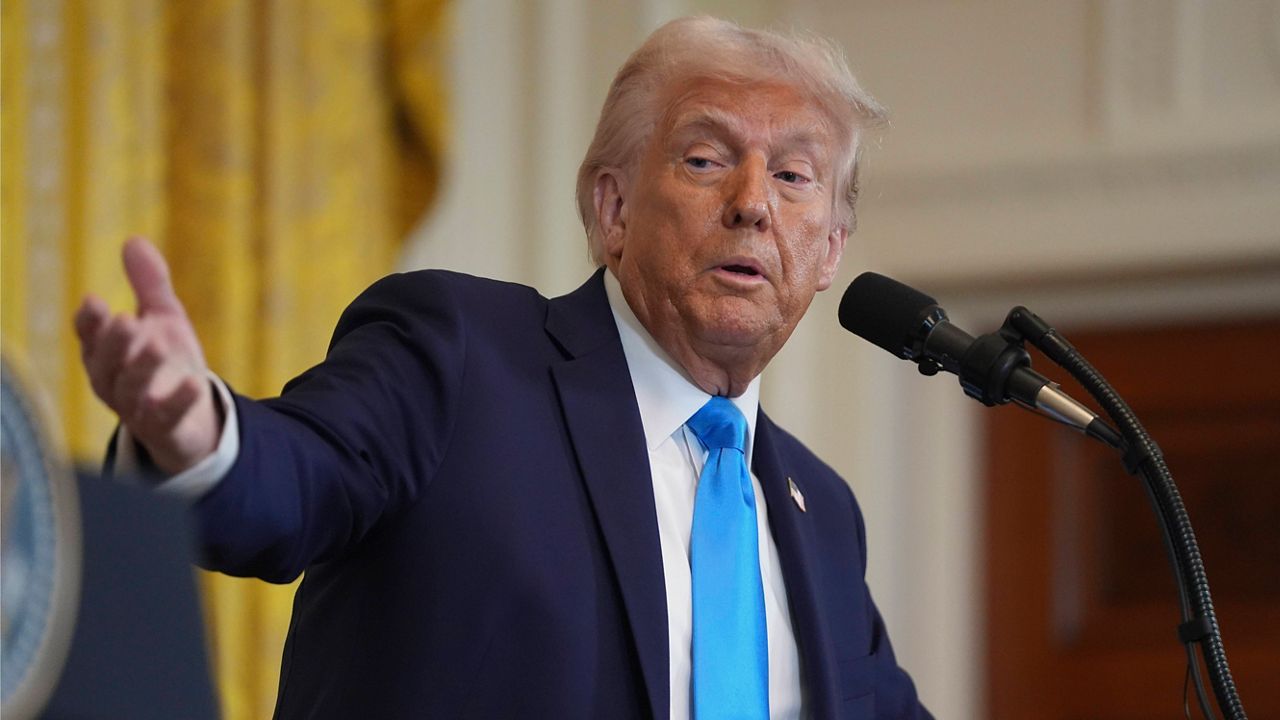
(348, 442)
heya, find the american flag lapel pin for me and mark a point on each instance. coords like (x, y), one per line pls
(796, 494)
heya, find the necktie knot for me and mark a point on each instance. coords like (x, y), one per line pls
(720, 424)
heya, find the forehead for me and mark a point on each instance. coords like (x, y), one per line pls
(771, 112)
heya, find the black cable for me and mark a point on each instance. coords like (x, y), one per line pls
(1143, 456)
(1186, 689)
(1197, 678)
(1184, 599)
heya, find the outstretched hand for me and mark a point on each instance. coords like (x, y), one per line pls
(148, 367)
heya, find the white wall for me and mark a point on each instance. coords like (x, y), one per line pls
(1105, 161)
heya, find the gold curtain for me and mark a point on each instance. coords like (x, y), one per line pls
(276, 151)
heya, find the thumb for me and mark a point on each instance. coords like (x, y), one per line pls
(149, 277)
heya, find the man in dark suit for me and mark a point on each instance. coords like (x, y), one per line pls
(509, 506)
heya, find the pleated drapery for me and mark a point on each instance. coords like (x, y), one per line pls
(276, 151)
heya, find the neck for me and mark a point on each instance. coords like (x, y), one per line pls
(716, 370)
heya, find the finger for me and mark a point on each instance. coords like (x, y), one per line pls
(139, 377)
(109, 355)
(158, 413)
(90, 318)
(149, 276)
(168, 410)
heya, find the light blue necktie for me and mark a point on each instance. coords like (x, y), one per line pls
(730, 644)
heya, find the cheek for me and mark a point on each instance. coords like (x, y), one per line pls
(687, 212)
(680, 229)
(656, 257)
(808, 247)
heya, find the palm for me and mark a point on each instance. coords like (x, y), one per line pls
(148, 366)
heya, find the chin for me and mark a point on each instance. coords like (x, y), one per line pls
(737, 327)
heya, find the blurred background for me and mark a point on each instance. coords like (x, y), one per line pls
(1112, 164)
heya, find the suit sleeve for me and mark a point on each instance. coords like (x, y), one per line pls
(349, 442)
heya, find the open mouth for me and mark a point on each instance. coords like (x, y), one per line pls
(741, 270)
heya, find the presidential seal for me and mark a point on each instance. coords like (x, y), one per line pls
(39, 551)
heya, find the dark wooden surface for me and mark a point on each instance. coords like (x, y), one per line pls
(1081, 605)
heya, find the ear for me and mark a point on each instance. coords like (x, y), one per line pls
(835, 250)
(611, 210)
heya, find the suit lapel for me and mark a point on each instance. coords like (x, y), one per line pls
(797, 551)
(604, 426)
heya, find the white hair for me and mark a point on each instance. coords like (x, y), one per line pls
(709, 48)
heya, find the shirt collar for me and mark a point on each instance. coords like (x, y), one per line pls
(666, 397)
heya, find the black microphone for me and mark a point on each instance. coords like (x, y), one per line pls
(993, 368)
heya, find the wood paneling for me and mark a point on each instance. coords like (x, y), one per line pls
(1082, 608)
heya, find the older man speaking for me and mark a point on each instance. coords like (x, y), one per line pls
(509, 506)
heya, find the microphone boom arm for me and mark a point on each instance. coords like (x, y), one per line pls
(995, 369)
(1143, 457)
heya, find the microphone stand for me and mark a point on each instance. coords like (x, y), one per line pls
(1143, 457)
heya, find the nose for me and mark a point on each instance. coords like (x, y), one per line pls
(747, 201)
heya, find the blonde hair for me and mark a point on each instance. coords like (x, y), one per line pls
(704, 47)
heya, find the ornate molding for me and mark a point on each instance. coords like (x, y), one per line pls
(1090, 169)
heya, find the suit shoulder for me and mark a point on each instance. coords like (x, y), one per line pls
(448, 285)
(442, 298)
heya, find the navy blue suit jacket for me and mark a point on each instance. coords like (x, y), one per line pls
(465, 482)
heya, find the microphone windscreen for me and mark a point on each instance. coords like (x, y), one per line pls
(883, 311)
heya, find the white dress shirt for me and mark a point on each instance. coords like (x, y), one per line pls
(666, 399)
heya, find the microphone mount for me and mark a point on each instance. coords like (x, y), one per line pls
(995, 368)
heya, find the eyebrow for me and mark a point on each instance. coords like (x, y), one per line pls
(807, 137)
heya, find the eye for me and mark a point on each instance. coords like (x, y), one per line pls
(698, 163)
(791, 176)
